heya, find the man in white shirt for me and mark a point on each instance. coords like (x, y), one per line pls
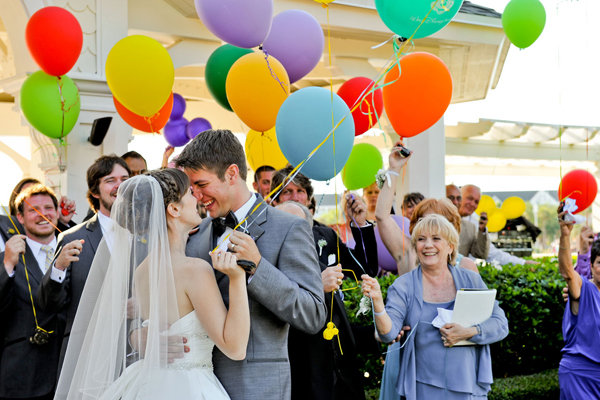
(63, 284)
(31, 337)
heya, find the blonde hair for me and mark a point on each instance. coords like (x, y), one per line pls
(434, 223)
(443, 207)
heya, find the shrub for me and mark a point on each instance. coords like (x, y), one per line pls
(540, 386)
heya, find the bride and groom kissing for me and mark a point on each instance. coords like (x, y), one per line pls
(183, 292)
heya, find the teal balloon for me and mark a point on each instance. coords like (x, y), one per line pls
(523, 21)
(362, 165)
(304, 121)
(217, 67)
(403, 17)
(51, 104)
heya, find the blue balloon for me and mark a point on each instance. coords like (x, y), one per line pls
(304, 120)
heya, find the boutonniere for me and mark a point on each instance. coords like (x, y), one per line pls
(11, 231)
(322, 243)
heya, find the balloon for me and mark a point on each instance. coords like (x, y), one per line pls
(217, 67)
(254, 93)
(324, 2)
(178, 106)
(146, 124)
(365, 116)
(523, 21)
(362, 165)
(54, 39)
(242, 23)
(174, 132)
(496, 220)
(384, 257)
(42, 105)
(262, 149)
(303, 122)
(403, 17)
(140, 74)
(195, 126)
(579, 185)
(486, 205)
(419, 97)
(296, 40)
(513, 207)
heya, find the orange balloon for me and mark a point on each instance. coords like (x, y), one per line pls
(146, 124)
(419, 97)
(256, 89)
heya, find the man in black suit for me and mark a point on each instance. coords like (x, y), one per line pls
(319, 369)
(31, 337)
(63, 284)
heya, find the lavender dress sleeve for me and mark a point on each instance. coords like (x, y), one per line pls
(583, 265)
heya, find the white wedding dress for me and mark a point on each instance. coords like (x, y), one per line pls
(190, 377)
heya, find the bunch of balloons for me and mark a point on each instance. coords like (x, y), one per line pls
(511, 208)
(49, 99)
(178, 131)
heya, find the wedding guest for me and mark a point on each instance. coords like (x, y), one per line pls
(579, 370)
(262, 180)
(136, 163)
(31, 337)
(586, 239)
(409, 203)
(63, 284)
(370, 194)
(472, 241)
(431, 367)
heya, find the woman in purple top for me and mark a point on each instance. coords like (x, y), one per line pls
(579, 371)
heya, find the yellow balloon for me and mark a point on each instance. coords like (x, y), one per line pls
(496, 220)
(324, 1)
(256, 89)
(140, 74)
(486, 204)
(262, 149)
(513, 207)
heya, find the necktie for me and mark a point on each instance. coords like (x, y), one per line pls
(222, 223)
(49, 254)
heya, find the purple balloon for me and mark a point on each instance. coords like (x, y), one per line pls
(386, 261)
(174, 132)
(178, 107)
(296, 40)
(242, 23)
(196, 126)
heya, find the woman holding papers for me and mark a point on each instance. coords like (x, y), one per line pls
(430, 367)
(579, 370)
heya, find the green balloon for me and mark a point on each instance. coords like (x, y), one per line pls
(45, 109)
(404, 17)
(362, 165)
(523, 21)
(217, 67)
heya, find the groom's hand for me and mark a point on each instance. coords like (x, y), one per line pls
(244, 247)
(175, 344)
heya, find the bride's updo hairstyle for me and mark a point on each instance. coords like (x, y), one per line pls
(173, 183)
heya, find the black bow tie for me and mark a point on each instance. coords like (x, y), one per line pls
(220, 224)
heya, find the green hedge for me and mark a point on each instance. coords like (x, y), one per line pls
(530, 295)
(540, 386)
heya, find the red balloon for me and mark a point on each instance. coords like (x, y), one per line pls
(54, 38)
(579, 185)
(146, 124)
(418, 97)
(366, 115)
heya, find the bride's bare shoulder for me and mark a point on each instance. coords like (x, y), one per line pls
(195, 265)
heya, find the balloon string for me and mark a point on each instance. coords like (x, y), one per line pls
(273, 74)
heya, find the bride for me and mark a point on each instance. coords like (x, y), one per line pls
(144, 275)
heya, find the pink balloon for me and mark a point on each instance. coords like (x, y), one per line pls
(296, 40)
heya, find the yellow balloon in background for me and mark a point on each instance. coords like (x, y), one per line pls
(262, 149)
(496, 220)
(324, 1)
(256, 89)
(486, 204)
(140, 74)
(513, 207)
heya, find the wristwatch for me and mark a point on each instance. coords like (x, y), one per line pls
(247, 266)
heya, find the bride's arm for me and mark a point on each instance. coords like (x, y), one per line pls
(228, 329)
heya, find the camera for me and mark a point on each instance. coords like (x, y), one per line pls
(39, 337)
(404, 152)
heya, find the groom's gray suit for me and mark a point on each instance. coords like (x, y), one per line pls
(285, 290)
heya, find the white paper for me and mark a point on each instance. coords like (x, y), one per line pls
(331, 260)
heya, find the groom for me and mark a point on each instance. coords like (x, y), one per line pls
(285, 286)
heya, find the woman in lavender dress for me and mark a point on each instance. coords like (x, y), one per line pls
(579, 371)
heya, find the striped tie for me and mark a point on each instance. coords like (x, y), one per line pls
(49, 254)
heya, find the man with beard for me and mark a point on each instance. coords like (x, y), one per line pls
(63, 284)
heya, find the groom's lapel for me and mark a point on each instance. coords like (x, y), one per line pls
(256, 219)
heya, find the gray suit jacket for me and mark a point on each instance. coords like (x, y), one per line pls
(26, 369)
(473, 241)
(285, 290)
(65, 296)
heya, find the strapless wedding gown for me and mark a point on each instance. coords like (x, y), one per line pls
(190, 377)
